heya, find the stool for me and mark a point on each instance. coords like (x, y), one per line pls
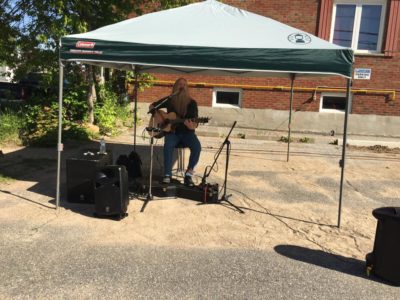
(181, 169)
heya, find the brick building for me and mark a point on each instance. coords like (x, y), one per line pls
(370, 27)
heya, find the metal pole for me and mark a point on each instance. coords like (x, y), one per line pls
(59, 144)
(292, 77)
(342, 161)
(135, 107)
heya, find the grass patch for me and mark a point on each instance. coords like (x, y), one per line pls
(5, 179)
(285, 139)
(241, 135)
(306, 140)
(11, 123)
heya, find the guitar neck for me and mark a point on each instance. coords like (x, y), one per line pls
(183, 120)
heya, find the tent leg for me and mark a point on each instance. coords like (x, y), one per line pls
(135, 107)
(342, 161)
(292, 77)
(59, 144)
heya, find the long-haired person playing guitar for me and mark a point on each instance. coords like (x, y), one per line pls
(186, 108)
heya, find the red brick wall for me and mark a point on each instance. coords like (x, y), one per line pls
(302, 14)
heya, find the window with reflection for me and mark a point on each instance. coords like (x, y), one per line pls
(358, 24)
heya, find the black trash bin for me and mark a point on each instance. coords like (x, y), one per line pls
(384, 261)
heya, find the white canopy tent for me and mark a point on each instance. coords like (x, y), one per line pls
(208, 38)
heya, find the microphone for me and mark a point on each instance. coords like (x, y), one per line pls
(162, 100)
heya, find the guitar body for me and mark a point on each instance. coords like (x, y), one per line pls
(164, 121)
(161, 121)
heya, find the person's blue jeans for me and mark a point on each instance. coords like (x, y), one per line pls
(187, 140)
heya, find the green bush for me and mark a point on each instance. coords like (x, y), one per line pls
(105, 110)
(41, 126)
(11, 123)
(125, 116)
(109, 114)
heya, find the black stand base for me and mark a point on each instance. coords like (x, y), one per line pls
(148, 198)
(225, 199)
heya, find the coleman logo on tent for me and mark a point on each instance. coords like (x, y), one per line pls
(84, 44)
(299, 38)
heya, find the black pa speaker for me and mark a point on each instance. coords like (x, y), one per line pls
(111, 196)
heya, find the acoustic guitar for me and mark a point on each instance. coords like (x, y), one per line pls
(163, 123)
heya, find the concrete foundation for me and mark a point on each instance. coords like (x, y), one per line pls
(259, 120)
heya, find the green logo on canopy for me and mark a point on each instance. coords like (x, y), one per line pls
(299, 38)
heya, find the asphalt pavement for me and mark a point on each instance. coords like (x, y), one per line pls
(52, 269)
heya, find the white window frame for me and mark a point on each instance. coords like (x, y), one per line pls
(357, 23)
(329, 110)
(214, 97)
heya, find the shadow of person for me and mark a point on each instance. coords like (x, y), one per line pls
(326, 260)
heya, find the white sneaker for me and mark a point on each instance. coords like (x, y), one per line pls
(166, 179)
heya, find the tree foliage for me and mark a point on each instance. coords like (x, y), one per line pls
(31, 29)
(29, 43)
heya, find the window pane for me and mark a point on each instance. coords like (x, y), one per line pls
(228, 98)
(369, 28)
(344, 23)
(338, 103)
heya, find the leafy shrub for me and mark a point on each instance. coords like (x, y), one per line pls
(124, 115)
(11, 123)
(105, 110)
(41, 126)
(75, 104)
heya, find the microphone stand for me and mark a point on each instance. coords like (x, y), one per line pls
(224, 196)
(153, 130)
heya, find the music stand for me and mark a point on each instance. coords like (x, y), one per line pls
(224, 196)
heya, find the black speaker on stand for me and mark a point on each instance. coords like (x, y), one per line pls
(111, 196)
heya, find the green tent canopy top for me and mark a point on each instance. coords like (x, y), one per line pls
(208, 38)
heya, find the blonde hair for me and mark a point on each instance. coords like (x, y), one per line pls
(180, 100)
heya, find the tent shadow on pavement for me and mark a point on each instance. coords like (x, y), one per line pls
(335, 262)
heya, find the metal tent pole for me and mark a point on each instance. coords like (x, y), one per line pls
(342, 161)
(136, 69)
(292, 78)
(59, 144)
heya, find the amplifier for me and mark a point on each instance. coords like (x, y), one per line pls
(206, 194)
(81, 174)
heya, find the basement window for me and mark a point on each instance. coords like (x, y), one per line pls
(333, 103)
(224, 97)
